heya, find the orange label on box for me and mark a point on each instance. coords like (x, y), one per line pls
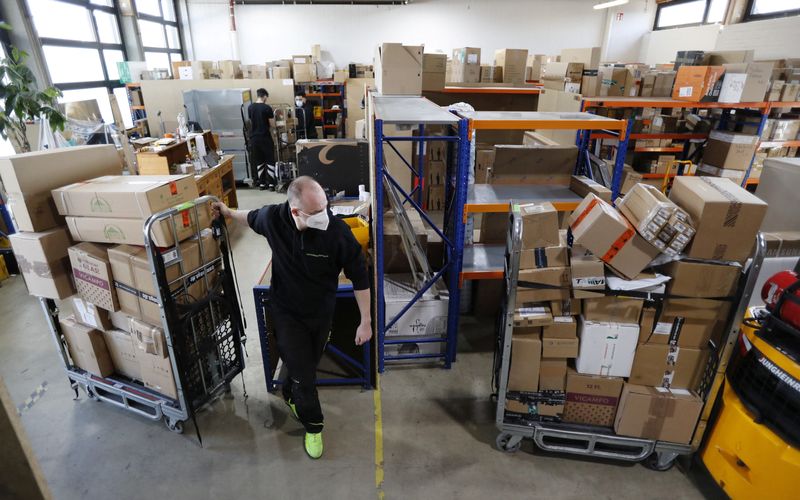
(173, 188)
(185, 218)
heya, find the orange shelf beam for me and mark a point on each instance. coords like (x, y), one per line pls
(779, 144)
(491, 90)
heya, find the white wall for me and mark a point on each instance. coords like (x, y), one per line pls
(626, 33)
(662, 45)
(349, 33)
(771, 39)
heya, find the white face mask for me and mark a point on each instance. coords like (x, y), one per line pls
(318, 221)
(298, 103)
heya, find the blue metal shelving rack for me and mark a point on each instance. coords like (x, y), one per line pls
(419, 112)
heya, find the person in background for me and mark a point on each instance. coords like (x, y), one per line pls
(262, 146)
(310, 248)
(306, 128)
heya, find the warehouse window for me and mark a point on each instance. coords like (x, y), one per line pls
(766, 9)
(81, 43)
(681, 13)
(160, 31)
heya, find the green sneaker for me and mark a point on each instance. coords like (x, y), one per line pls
(292, 408)
(313, 444)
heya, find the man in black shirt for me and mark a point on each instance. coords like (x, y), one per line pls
(262, 147)
(306, 125)
(310, 247)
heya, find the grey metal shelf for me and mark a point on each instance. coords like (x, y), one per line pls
(497, 197)
(483, 261)
(410, 110)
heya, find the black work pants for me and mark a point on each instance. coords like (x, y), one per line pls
(301, 343)
(262, 153)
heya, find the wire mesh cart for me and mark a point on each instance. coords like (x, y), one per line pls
(200, 316)
(356, 372)
(548, 432)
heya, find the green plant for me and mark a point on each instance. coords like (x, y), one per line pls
(21, 100)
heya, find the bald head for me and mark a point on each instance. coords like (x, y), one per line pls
(306, 194)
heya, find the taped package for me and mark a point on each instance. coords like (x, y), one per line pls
(660, 221)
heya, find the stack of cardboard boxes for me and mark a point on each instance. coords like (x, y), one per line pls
(466, 65)
(634, 358)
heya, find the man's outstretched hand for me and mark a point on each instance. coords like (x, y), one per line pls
(364, 333)
(218, 208)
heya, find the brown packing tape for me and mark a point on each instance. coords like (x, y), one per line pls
(651, 427)
(734, 205)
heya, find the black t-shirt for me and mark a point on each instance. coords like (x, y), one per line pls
(306, 264)
(260, 114)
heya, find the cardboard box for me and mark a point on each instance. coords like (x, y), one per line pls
(92, 272)
(668, 366)
(398, 69)
(124, 196)
(466, 65)
(562, 327)
(657, 219)
(28, 179)
(484, 161)
(745, 82)
(433, 71)
(726, 217)
(134, 281)
(785, 130)
(427, 317)
(701, 280)
(533, 164)
(547, 277)
(130, 231)
(560, 348)
(606, 349)
(539, 225)
(280, 73)
(148, 338)
(304, 72)
(615, 309)
(657, 413)
(735, 176)
(535, 62)
(229, 69)
(597, 226)
(436, 198)
(255, 71)
(491, 74)
(568, 307)
(532, 315)
(726, 57)
(690, 58)
(43, 260)
(87, 348)
(621, 80)
(664, 82)
(534, 295)
(701, 320)
(698, 83)
(157, 373)
(526, 353)
(589, 56)
(790, 92)
(88, 314)
(513, 62)
(730, 150)
(582, 185)
(591, 399)
(123, 353)
(565, 76)
(552, 256)
(552, 374)
(588, 273)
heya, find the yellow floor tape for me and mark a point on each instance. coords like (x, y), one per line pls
(376, 398)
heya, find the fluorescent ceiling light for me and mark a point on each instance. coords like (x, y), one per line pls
(612, 3)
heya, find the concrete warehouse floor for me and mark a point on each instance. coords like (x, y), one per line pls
(438, 429)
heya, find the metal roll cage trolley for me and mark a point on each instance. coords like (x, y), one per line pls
(588, 440)
(204, 335)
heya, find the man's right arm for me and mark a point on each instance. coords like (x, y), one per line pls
(240, 216)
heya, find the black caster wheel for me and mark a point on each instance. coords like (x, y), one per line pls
(176, 427)
(508, 443)
(660, 462)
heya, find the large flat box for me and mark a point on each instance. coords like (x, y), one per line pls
(745, 82)
(698, 83)
(43, 260)
(663, 365)
(89, 314)
(591, 399)
(730, 150)
(466, 65)
(92, 272)
(131, 231)
(597, 226)
(157, 374)
(582, 185)
(427, 317)
(657, 413)
(701, 279)
(552, 374)
(703, 319)
(124, 196)
(533, 164)
(726, 217)
(133, 280)
(615, 309)
(87, 348)
(539, 225)
(560, 348)
(398, 69)
(29, 178)
(526, 353)
(433, 71)
(513, 62)
(562, 327)
(606, 349)
(123, 353)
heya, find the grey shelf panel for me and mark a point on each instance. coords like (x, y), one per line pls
(412, 110)
(485, 258)
(526, 116)
(493, 194)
